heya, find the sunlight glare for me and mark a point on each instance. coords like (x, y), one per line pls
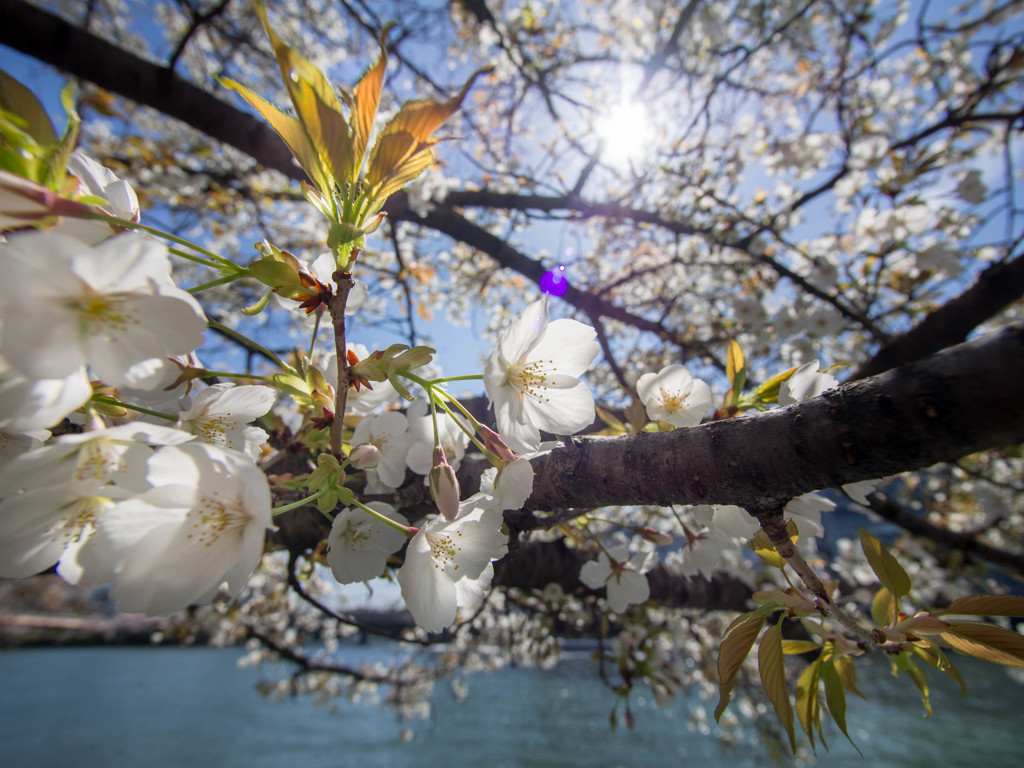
(625, 131)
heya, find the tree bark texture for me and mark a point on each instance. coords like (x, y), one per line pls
(967, 399)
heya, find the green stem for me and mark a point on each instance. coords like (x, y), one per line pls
(301, 502)
(249, 343)
(166, 236)
(108, 400)
(232, 375)
(467, 377)
(196, 259)
(409, 532)
(213, 283)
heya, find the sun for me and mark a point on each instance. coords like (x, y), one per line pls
(625, 132)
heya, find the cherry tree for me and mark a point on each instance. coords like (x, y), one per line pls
(737, 262)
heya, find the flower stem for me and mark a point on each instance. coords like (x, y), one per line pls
(108, 400)
(249, 343)
(409, 532)
(301, 502)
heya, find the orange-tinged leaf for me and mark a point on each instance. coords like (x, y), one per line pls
(388, 153)
(366, 98)
(984, 641)
(986, 605)
(772, 668)
(735, 364)
(738, 641)
(889, 572)
(288, 128)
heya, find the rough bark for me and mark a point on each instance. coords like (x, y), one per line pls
(964, 400)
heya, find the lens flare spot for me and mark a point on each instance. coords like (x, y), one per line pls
(554, 281)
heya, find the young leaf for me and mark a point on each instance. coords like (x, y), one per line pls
(836, 699)
(795, 647)
(808, 707)
(903, 662)
(889, 572)
(772, 669)
(938, 659)
(986, 605)
(984, 641)
(883, 607)
(848, 674)
(738, 641)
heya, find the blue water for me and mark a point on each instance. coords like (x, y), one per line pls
(171, 707)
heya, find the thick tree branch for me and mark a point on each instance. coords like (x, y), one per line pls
(996, 288)
(964, 400)
(55, 41)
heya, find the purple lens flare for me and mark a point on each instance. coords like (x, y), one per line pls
(554, 281)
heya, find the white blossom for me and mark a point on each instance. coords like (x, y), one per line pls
(220, 415)
(673, 395)
(621, 574)
(444, 553)
(532, 377)
(113, 306)
(359, 544)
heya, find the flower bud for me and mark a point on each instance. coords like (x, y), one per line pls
(364, 456)
(444, 486)
(494, 444)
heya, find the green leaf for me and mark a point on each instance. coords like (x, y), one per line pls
(258, 306)
(836, 699)
(739, 639)
(889, 572)
(772, 668)
(883, 607)
(986, 642)
(19, 100)
(986, 605)
(764, 548)
(938, 659)
(808, 707)
(769, 391)
(848, 674)
(795, 647)
(903, 662)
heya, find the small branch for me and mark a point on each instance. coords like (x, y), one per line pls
(773, 523)
(336, 306)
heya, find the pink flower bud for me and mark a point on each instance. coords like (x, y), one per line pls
(444, 486)
(364, 456)
(494, 444)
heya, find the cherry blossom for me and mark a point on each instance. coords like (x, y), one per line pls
(440, 556)
(200, 526)
(532, 377)
(359, 544)
(807, 382)
(673, 395)
(386, 431)
(621, 574)
(220, 415)
(112, 306)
